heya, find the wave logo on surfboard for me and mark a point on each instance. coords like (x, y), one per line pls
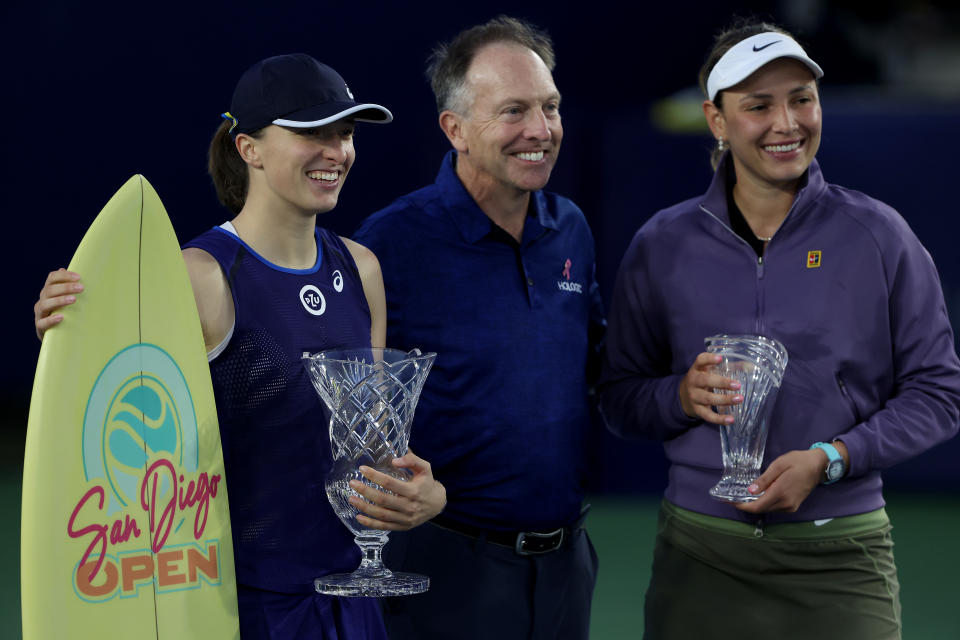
(142, 422)
(140, 458)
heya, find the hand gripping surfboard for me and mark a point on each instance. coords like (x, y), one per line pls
(125, 528)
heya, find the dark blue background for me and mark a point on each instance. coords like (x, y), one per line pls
(93, 93)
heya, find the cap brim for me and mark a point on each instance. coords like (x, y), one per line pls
(750, 54)
(749, 67)
(333, 111)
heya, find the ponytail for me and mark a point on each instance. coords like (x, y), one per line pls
(227, 168)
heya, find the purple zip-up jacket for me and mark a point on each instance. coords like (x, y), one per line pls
(844, 284)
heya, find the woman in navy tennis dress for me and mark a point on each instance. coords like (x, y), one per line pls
(271, 285)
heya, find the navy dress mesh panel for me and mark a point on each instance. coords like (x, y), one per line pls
(273, 425)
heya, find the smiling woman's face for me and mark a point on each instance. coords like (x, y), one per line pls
(771, 122)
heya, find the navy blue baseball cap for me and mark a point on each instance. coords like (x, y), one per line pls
(295, 90)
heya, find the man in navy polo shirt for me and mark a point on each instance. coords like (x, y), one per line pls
(497, 277)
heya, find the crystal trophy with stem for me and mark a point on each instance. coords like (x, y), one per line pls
(758, 364)
(372, 394)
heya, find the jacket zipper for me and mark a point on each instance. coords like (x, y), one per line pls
(846, 396)
(761, 309)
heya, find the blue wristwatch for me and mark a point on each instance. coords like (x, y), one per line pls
(836, 467)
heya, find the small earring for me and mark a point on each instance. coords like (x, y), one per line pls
(720, 145)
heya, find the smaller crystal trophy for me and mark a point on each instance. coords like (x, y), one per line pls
(371, 394)
(757, 363)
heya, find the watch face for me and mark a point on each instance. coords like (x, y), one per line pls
(835, 470)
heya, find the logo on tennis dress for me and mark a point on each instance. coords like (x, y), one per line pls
(142, 517)
(313, 300)
(566, 285)
(337, 281)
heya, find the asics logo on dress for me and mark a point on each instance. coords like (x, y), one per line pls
(312, 300)
(337, 281)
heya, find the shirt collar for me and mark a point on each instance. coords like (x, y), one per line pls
(715, 199)
(470, 219)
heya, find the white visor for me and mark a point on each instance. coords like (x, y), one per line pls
(748, 55)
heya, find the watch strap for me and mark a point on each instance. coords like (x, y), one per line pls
(832, 457)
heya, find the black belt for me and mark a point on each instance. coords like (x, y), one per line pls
(524, 543)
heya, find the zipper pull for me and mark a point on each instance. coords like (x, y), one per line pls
(758, 532)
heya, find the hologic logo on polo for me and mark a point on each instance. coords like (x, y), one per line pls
(313, 300)
(566, 284)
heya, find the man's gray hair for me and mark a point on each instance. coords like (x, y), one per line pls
(447, 66)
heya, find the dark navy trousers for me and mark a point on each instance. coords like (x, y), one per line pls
(485, 591)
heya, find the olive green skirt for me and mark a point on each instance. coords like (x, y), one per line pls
(717, 578)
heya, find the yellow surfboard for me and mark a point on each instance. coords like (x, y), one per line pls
(125, 524)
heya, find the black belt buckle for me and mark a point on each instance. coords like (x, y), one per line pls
(531, 543)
